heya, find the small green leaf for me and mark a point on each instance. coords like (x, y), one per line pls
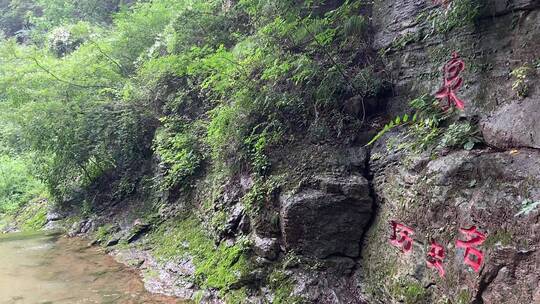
(406, 118)
(398, 120)
(469, 145)
(528, 206)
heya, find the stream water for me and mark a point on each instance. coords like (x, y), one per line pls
(46, 269)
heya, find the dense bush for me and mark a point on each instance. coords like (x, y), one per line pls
(17, 185)
(177, 147)
(275, 73)
(219, 81)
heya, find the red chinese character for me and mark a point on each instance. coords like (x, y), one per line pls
(473, 256)
(452, 82)
(435, 258)
(401, 237)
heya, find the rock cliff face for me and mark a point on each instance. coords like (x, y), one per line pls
(504, 37)
(438, 197)
(485, 188)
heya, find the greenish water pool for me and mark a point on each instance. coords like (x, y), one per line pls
(44, 268)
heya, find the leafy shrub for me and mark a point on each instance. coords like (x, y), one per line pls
(18, 186)
(258, 145)
(177, 150)
(240, 79)
(431, 128)
(223, 130)
(427, 114)
(282, 78)
(528, 206)
(521, 82)
(460, 135)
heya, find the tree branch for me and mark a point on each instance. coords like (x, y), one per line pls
(62, 80)
(120, 67)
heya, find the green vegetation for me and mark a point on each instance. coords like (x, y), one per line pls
(430, 128)
(261, 192)
(218, 267)
(461, 134)
(282, 286)
(31, 217)
(502, 237)
(459, 13)
(17, 185)
(98, 88)
(410, 292)
(65, 102)
(528, 206)
(521, 77)
(177, 150)
(34, 219)
(103, 233)
(464, 297)
(105, 103)
(237, 296)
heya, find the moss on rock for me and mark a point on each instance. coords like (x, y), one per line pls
(220, 267)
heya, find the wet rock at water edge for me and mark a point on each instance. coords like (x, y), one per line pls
(139, 229)
(53, 216)
(114, 239)
(82, 227)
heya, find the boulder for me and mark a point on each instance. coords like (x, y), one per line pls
(327, 218)
(53, 216)
(114, 239)
(234, 220)
(513, 125)
(267, 248)
(354, 158)
(83, 227)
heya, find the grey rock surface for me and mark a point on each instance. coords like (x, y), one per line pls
(328, 219)
(514, 125)
(463, 189)
(266, 247)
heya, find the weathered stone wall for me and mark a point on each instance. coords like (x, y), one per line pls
(438, 197)
(505, 36)
(484, 187)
